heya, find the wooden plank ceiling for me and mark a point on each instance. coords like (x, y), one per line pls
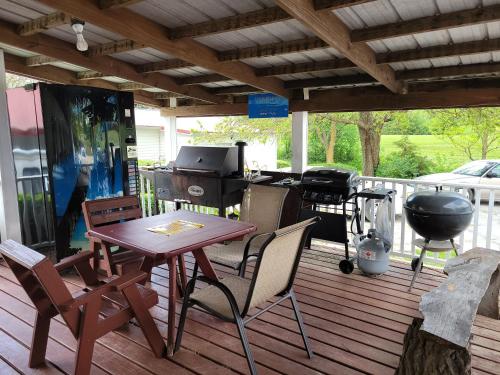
(196, 62)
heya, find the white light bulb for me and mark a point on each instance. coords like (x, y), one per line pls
(81, 44)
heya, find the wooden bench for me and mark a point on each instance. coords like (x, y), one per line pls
(439, 342)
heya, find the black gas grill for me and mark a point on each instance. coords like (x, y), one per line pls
(205, 176)
(329, 185)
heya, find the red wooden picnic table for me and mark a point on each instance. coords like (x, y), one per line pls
(161, 248)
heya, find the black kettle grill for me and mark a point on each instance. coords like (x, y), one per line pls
(438, 215)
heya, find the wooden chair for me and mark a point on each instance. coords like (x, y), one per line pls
(232, 297)
(120, 299)
(107, 211)
(262, 205)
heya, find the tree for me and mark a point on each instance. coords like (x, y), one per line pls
(370, 126)
(14, 80)
(235, 128)
(325, 126)
(475, 131)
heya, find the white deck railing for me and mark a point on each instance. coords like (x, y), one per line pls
(484, 230)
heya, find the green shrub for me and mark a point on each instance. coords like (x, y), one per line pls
(283, 163)
(348, 147)
(405, 163)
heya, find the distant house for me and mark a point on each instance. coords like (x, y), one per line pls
(151, 143)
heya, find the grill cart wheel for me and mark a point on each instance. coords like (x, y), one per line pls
(414, 263)
(346, 266)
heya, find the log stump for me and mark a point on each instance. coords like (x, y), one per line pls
(439, 343)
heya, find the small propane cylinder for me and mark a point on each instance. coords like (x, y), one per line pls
(373, 254)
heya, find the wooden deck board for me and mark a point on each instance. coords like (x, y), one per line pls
(356, 325)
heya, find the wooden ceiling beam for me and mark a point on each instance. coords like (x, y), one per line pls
(338, 81)
(39, 60)
(163, 65)
(425, 24)
(205, 78)
(143, 30)
(43, 23)
(110, 48)
(337, 4)
(309, 67)
(273, 49)
(450, 71)
(328, 27)
(232, 23)
(234, 90)
(469, 93)
(467, 48)
(48, 73)
(166, 95)
(108, 4)
(89, 74)
(131, 86)
(64, 51)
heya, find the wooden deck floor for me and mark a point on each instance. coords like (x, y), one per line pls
(356, 325)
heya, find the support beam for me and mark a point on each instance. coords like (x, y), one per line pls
(143, 30)
(44, 23)
(163, 65)
(234, 90)
(10, 221)
(337, 81)
(89, 74)
(425, 24)
(106, 4)
(309, 67)
(39, 60)
(114, 47)
(48, 73)
(64, 51)
(170, 134)
(300, 127)
(165, 95)
(332, 30)
(131, 86)
(337, 4)
(450, 71)
(273, 49)
(467, 48)
(454, 94)
(206, 78)
(232, 23)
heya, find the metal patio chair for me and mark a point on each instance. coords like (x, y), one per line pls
(232, 297)
(119, 300)
(262, 205)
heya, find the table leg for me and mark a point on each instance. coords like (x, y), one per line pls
(204, 264)
(182, 282)
(147, 267)
(172, 298)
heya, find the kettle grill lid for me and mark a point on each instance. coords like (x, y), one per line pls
(439, 203)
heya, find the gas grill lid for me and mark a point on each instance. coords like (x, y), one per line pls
(330, 177)
(217, 161)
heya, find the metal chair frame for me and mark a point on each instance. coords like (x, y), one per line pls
(239, 316)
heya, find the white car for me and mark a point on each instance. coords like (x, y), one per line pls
(479, 172)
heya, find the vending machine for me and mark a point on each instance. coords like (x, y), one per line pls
(70, 144)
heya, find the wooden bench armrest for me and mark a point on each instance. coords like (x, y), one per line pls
(73, 260)
(117, 284)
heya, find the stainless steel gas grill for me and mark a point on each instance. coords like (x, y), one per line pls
(205, 176)
(326, 187)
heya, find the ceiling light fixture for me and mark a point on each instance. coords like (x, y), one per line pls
(77, 26)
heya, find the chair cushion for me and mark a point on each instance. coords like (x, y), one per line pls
(229, 255)
(213, 299)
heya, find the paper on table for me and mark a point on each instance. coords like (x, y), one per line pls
(174, 227)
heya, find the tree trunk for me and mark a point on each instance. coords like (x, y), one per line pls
(330, 149)
(484, 145)
(369, 135)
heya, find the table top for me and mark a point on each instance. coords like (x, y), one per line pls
(134, 234)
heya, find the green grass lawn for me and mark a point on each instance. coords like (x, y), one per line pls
(433, 146)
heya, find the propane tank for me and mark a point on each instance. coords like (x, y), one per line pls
(373, 254)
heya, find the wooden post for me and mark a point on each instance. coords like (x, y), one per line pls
(10, 221)
(440, 342)
(299, 141)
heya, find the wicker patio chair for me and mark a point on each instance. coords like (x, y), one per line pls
(119, 300)
(262, 205)
(232, 297)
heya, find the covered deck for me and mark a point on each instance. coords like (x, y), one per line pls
(356, 324)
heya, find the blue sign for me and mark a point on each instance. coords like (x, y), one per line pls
(267, 106)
